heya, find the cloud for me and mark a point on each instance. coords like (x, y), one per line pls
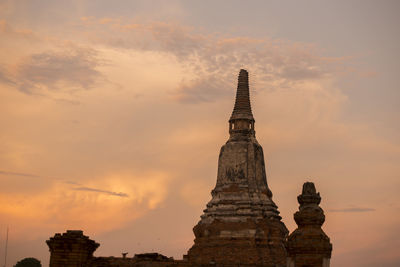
(205, 89)
(211, 57)
(55, 70)
(19, 174)
(7, 30)
(352, 210)
(210, 61)
(80, 188)
(62, 205)
(111, 193)
(4, 76)
(40, 64)
(72, 182)
(74, 67)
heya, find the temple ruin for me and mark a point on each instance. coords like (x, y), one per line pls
(240, 226)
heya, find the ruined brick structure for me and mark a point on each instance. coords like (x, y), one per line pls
(240, 226)
(71, 249)
(308, 245)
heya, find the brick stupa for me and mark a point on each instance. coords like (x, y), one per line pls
(241, 224)
(308, 245)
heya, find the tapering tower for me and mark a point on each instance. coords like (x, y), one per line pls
(308, 245)
(241, 224)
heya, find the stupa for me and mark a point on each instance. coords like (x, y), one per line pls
(241, 224)
(308, 245)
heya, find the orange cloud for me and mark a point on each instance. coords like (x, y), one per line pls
(6, 30)
(48, 71)
(211, 60)
(67, 206)
(127, 122)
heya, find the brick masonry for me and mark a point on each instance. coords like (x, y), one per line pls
(240, 226)
(308, 245)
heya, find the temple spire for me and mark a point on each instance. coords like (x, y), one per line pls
(241, 225)
(242, 108)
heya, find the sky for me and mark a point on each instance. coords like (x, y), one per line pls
(112, 115)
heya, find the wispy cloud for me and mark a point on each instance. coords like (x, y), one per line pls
(210, 60)
(74, 67)
(79, 188)
(69, 182)
(7, 29)
(111, 193)
(49, 65)
(352, 210)
(20, 174)
(72, 182)
(4, 76)
(70, 68)
(205, 56)
(203, 89)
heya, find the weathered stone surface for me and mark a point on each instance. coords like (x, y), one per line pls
(71, 249)
(241, 224)
(308, 245)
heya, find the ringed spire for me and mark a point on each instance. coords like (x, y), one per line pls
(242, 108)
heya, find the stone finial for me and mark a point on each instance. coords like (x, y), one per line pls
(308, 245)
(309, 211)
(309, 195)
(242, 108)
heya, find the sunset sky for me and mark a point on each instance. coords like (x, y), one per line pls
(112, 115)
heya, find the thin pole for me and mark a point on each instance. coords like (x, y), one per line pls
(5, 257)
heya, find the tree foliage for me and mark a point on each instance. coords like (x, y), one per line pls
(28, 262)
